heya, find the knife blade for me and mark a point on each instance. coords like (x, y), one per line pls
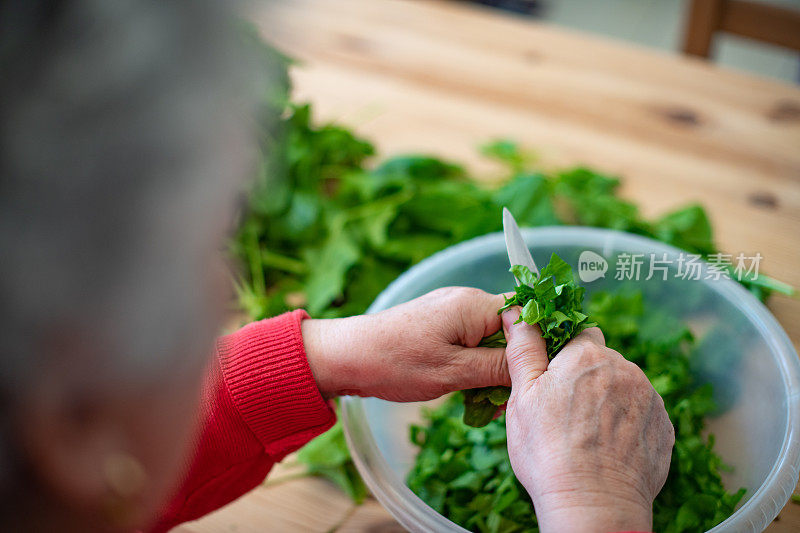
(518, 253)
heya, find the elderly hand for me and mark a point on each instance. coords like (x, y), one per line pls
(588, 436)
(415, 351)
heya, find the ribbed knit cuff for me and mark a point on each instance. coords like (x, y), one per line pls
(265, 368)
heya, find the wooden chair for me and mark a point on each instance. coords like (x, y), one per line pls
(764, 22)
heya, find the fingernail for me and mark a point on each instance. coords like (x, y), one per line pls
(510, 316)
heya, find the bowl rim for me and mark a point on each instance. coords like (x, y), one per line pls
(753, 515)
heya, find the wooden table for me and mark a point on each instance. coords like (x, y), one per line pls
(443, 77)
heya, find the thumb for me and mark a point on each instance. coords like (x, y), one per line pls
(526, 351)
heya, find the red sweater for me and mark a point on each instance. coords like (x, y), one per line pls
(260, 402)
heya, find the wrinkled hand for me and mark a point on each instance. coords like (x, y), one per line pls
(415, 351)
(588, 436)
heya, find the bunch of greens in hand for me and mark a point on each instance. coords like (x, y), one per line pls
(550, 299)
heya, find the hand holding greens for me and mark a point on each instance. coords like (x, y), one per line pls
(550, 299)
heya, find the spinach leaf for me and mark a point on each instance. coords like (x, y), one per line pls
(328, 456)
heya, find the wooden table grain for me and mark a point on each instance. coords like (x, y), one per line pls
(441, 77)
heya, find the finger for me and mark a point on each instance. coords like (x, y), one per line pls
(593, 335)
(480, 317)
(481, 367)
(526, 352)
(588, 347)
(491, 304)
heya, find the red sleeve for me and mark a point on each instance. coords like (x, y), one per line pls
(260, 402)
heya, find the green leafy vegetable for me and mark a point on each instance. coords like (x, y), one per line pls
(550, 299)
(328, 456)
(465, 474)
(589, 198)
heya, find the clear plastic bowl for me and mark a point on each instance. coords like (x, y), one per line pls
(757, 430)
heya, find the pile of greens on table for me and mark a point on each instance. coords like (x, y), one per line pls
(327, 226)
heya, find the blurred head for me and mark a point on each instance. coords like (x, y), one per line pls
(122, 140)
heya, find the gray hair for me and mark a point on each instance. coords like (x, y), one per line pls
(121, 128)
